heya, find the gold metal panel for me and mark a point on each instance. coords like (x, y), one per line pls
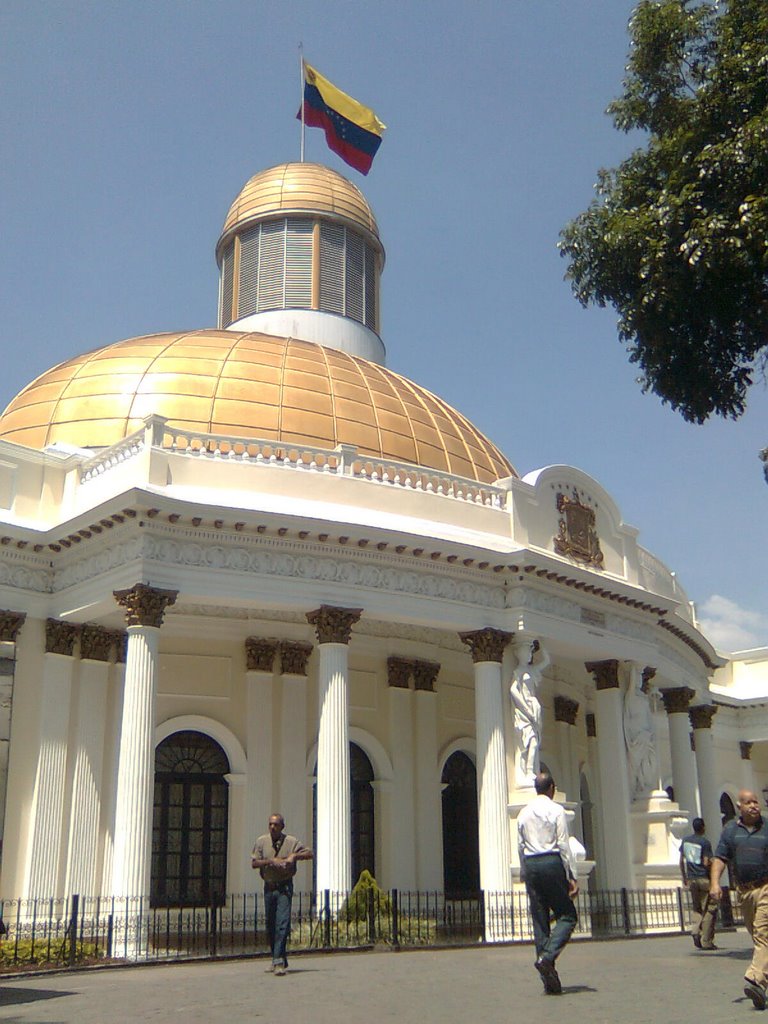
(309, 424)
(116, 384)
(244, 418)
(92, 407)
(395, 446)
(197, 385)
(301, 440)
(307, 381)
(109, 431)
(173, 407)
(310, 400)
(361, 412)
(391, 421)
(342, 389)
(247, 390)
(365, 437)
(433, 457)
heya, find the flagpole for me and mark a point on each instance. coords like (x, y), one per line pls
(301, 94)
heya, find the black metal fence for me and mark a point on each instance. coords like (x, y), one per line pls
(85, 930)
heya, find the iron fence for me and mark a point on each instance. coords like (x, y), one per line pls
(81, 930)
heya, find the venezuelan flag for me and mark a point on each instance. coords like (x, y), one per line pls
(352, 130)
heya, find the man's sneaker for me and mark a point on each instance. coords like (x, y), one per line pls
(697, 941)
(755, 992)
(280, 970)
(270, 969)
(709, 948)
(549, 976)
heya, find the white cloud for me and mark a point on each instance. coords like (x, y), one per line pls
(729, 627)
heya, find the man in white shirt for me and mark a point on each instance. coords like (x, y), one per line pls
(549, 872)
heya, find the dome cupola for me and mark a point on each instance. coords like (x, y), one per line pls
(300, 256)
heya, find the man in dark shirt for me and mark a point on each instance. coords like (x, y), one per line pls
(695, 861)
(743, 847)
(275, 856)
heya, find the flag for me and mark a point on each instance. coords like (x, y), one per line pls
(352, 130)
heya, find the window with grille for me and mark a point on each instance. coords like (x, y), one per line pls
(189, 829)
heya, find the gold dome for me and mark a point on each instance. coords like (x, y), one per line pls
(248, 385)
(299, 188)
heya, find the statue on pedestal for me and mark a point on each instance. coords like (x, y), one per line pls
(524, 689)
(640, 737)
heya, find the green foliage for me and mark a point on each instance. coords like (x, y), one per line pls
(25, 953)
(355, 907)
(677, 238)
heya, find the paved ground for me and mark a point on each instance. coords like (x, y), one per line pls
(632, 981)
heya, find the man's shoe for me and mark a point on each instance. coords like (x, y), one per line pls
(755, 992)
(549, 976)
(697, 941)
(270, 969)
(280, 970)
(708, 948)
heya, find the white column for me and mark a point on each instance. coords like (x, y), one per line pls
(85, 806)
(676, 703)
(47, 823)
(706, 769)
(401, 732)
(259, 730)
(747, 771)
(487, 648)
(333, 854)
(292, 803)
(136, 771)
(614, 783)
(429, 800)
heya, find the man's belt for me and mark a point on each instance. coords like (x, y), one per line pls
(750, 886)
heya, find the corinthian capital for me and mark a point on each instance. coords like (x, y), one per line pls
(605, 673)
(701, 716)
(294, 657)
(333, 625)
(145, 605)
(260, 654)
(60, 637)
(486, 644)
(677, 699)
(10, 624)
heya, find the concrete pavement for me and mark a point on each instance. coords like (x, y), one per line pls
(635, 981)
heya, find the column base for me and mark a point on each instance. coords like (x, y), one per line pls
(658, 826)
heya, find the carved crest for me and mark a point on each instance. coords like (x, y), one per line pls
(576, 537)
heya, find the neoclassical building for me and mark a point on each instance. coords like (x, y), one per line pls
(251, 568)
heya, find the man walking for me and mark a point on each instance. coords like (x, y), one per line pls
(275, 855)
(695, 862)
(549, 873)
(743, 846)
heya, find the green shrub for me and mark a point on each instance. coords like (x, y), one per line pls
(355, 907)
(13, 954)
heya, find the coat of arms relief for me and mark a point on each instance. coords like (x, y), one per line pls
(576, 536)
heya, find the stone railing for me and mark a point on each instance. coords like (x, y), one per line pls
(655, 576)
(344, 460)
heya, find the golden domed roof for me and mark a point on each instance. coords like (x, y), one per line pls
(299, 188)
(248, 385)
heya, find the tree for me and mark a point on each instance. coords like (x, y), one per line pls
(677, 237)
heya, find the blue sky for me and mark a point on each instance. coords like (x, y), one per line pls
(129, 127)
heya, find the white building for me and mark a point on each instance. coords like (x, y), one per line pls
(251, 569)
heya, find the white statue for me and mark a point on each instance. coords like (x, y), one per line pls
(640, 737)
(532, 659)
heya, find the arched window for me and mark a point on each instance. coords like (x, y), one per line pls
(461, 854)
(189, 829)
(361, 774)
(727, 810)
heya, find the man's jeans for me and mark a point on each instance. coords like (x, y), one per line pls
(547, 888)
(277, 910)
